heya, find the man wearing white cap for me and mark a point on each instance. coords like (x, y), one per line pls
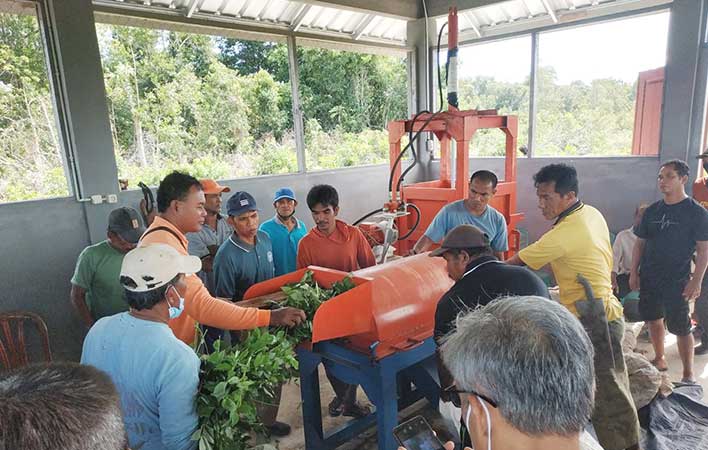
(156, 374)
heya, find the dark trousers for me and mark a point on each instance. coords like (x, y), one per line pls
(345, 392)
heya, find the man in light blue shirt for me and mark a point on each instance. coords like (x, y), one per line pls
(285, 231)
(156, 374)
(475, 210)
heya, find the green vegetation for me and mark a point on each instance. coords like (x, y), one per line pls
(233, 380)
(578, 119)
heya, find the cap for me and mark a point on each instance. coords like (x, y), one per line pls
(462, 236)
(239, 203)
(284, 192)
(126, 223)
(703, 155)
(212, 187)
(151, 266)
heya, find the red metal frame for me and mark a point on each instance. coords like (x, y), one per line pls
(431, 196)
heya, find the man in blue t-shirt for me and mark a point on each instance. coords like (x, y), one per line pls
(156, 374)
(285, 231)
(244, 259)
(474, 210)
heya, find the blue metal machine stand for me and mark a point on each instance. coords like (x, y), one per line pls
(387, 383)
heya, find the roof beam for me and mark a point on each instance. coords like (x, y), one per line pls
(438, 8)
(466, 18)
(400, 9)
(299, 17)
(193, 7)
(550, 11)
(359, 30)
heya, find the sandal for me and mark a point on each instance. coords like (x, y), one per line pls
(356, 410)
(335, 407)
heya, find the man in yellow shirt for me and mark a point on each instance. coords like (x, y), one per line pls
(579, 243)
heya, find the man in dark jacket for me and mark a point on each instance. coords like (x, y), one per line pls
(479, 277)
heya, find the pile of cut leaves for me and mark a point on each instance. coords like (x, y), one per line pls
(234, 379)
(307, 295)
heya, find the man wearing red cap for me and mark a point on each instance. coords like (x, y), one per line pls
(205, 242)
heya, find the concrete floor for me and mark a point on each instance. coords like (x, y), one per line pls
(290, 411)
(700, 363)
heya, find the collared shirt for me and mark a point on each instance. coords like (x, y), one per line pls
(200, 241)
(622, 251)
(577, 244)
(346, 249)
(485, 279)
(285, 243)
(199, 305)
(239, 265)
(491, 222)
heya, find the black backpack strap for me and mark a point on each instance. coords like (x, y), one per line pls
(169, 230)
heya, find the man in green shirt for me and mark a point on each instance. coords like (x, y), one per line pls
(95, 287)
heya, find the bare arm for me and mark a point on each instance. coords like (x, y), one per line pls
(637, 253)
(499, 255)
(693, 288)
(78, 299)
(515, 261)
(423, 245)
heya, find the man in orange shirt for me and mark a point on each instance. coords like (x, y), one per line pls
(336, 245)
(180, 205)
(700, 309)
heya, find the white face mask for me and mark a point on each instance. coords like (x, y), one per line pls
(489, 421)
(175, 311)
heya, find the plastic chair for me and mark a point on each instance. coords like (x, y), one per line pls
(13, 348)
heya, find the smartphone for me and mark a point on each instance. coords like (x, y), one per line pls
(416, 434)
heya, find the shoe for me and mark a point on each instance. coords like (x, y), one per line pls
(356, 410)
(279, 429)
(701, 349)
(335, 407)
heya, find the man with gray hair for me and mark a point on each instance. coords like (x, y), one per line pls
(523, 367)
(60, 406)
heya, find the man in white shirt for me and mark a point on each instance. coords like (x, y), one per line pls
(622, 255)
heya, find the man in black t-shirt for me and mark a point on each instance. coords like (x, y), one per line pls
(671, 230)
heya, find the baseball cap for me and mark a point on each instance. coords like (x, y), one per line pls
(284, 192)
(462, 236)
(151, 266)
(126, 223)
(240, 202)
(212, 187)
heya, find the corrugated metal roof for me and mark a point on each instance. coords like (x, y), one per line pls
(521, 15)
(298, 16)
(360, 26)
